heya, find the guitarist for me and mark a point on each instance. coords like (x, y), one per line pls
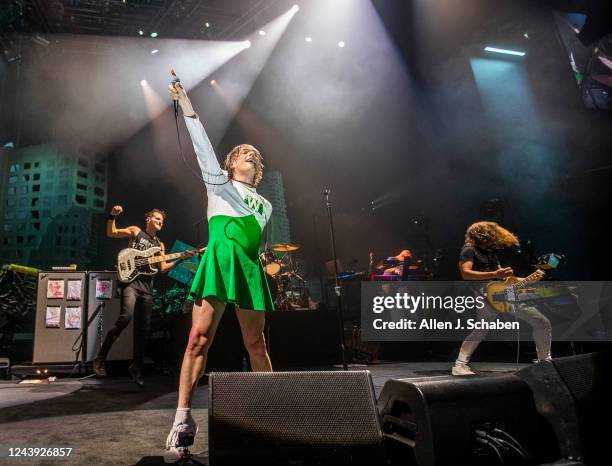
(478, 261)
(136, 296)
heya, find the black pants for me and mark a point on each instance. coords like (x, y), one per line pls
(136, 304)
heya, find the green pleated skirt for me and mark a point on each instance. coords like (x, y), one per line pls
(231, 269)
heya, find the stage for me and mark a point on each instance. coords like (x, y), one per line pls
(112, 421)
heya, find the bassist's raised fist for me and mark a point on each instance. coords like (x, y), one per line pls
(116, 210)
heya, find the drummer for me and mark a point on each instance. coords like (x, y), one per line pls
(397, 262)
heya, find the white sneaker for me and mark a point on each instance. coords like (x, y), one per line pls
(181, 437)
(461, 368)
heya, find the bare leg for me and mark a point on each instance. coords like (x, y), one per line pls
(205, 319)
(252, 327)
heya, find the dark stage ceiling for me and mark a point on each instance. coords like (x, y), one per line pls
(188, 19)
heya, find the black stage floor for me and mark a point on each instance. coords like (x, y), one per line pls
(112, 421)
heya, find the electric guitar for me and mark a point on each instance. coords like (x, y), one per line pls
(133, 262)
(499, 293)
(502, 294)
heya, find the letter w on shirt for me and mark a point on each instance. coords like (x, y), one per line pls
(254, 204)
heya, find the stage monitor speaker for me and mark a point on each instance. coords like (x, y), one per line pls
(437, 420)
(573, 393)
(264, 417)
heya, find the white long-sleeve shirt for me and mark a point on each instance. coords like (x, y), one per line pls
(225, 196)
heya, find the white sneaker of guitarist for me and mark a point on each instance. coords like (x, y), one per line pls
(148, 258)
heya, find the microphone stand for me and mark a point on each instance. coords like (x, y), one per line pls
(337, 287)
(99, 309)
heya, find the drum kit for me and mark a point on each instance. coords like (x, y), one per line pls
(287, 286)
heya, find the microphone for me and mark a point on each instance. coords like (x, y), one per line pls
(326, 192)
(175, 79)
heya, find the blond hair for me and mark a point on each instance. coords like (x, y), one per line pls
(235, 152)
(487, 235)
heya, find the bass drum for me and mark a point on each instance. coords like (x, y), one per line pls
(272, 268)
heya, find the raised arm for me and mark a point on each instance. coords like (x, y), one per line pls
(207, 160)
(113, 232)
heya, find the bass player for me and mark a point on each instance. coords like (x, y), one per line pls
(136, 296)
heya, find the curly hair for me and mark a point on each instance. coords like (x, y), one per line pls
(489, 235)
(235, 152)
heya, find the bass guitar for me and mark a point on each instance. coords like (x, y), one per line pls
(133, 262)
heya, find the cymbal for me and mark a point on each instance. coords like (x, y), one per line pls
(284, 247)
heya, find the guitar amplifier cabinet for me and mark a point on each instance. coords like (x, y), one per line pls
(60, 315)
(103, 290)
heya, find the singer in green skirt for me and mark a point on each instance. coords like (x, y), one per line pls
(230, 271)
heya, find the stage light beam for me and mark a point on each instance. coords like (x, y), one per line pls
(341, 44)
(237, 80)
(143, 83)
(261, 32)
(504, 51)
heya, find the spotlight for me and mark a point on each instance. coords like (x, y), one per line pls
(213, 82)
(308, 39)
(207, 24)
(341, 44)
(143, 83)
(504, 51)
(262, 32)
(247, 44)
(154, 35)
(295, 8)
(153, 52)
(141, 32)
